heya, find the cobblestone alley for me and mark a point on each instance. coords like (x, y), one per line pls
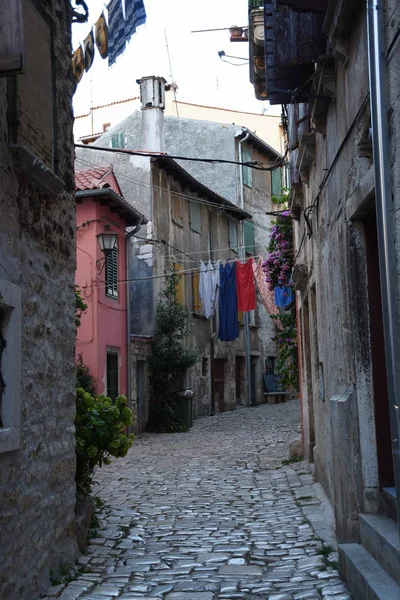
(211, 514)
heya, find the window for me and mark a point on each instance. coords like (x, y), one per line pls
(204, 367)
(118, 140)
(196, 293)
(112, 374)
(233, 235)
(195, 216)
(177, 206)
(247, 171)
(106, 126)
(249, 237)
(276, 182)
(10, 366)
(180, 286)
(112, 274)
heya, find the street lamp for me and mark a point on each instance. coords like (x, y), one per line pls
(107, 242)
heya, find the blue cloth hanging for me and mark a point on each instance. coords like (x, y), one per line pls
(283, 296)
(135, 15)
(228, 311)
(116, 30)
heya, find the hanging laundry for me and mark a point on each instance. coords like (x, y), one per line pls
(78, 64)
(101, 35)
(283, 296)
(228, 318)
(116, 31)
(135, 15)
(267, 295)
(88, 44)
(246, 290)
(209, 287)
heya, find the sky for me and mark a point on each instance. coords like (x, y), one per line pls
(201, 76)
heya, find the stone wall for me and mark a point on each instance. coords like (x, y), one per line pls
(37, 255)
(341, 407)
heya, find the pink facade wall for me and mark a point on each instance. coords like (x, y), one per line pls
(104, 324)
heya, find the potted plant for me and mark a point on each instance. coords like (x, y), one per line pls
(235, 31)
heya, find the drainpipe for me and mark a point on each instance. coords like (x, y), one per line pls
(242, 255)
(385, 221)
(128, 310)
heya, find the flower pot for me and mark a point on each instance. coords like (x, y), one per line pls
(236, 32)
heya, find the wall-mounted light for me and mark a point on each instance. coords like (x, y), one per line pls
(107, 242)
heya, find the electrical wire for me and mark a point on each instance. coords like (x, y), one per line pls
(250, 164)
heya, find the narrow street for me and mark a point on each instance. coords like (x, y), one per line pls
(211, 514)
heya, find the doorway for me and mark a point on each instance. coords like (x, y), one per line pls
(141, 392)
(240, 377)
(219, 383)
(381, 400)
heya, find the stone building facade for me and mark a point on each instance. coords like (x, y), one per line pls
(37, 325)
(342, 300)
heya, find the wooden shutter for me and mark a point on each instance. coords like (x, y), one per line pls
(249, 237)
(112, 274)
(196, 293)
(247, 171)
(233, 235)
(177, 208)
(118, 140)
(11, 37)
(180, 286)
(195, 216)
(276, 182)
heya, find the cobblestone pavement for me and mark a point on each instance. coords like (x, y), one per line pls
(210, 514)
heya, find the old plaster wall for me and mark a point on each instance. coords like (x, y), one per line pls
(37, 254)
(336, 369)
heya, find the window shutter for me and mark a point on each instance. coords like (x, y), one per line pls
(247, 171)
(177, 210)
(118, 140)
(276, 182)
(195, 216)
(180, 286)
(196, 293)
(249, 237)
(233, 235)
(112, 375)
(112, 274)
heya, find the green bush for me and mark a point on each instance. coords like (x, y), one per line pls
(170, 359)
(99, 424)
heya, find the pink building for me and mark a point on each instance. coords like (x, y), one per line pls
(102, 338)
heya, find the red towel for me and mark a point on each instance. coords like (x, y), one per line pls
(246, 290)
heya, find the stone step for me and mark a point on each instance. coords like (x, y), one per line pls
(380, 537)
(364, 577)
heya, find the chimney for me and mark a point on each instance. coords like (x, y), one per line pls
(152, 99)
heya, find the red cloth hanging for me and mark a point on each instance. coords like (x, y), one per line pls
(246, 290)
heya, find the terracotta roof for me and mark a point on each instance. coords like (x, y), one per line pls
(109, 104)
(101, 182)
(91, 179)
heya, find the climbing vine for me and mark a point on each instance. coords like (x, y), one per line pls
(277, 268)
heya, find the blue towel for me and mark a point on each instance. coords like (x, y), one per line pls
(116, 30)
(228, 311)
(283, 295)
(135, 15)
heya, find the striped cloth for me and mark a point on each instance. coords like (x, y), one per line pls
(116, 31)
(135, 15)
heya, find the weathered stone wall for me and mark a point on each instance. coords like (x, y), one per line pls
(37, 254)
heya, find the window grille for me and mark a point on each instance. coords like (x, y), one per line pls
(112, 274)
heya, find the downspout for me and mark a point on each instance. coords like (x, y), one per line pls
(242, 255)
(385, 221)
(128, 311)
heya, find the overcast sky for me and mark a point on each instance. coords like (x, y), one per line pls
(201, 76)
